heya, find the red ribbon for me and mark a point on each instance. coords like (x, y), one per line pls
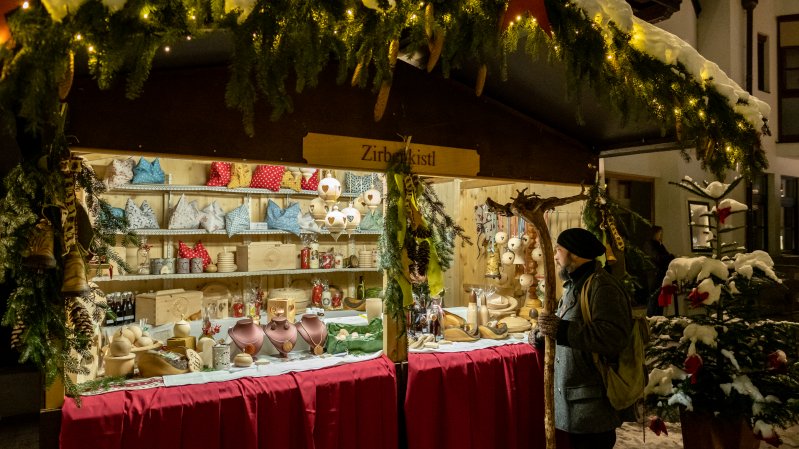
(696, 297)
(666, 293)
(777, 362)
(657, 425)
(693, 363)
(723, 213)
(536, 8)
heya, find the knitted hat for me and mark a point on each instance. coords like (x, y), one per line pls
(581, 243)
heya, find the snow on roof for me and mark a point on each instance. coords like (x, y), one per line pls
(670, 49)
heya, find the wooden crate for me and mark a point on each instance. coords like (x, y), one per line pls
(259, 256)
(281, 307)
(165, 306)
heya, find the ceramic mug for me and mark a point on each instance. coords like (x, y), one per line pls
(169, 266)
(156, 265)
(183, 266)
(221, 357)
(197, 265)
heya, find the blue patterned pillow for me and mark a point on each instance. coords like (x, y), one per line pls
(148, 172)
(237, 220)
(283, 219)
(359, 184)
(371, 222)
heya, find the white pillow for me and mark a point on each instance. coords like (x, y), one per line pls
(119, 172)
(212, 218)
(185, 215)
(140, 217)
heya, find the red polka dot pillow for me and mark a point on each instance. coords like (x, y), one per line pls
(198, 251)
(219, 175)
(268, 177)
(312, 183)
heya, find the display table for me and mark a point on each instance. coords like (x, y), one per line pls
(352, 406)
(484, 398)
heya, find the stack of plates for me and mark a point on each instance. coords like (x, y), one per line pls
(225, 262)
(365, 258)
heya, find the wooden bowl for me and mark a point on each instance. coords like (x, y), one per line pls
(152, 365)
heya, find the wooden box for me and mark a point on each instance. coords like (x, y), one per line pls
(165, 306)
(259, 256)
(281, 307)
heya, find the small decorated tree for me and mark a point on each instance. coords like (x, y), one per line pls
(722, 368)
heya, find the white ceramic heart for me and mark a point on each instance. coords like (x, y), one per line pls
(372, 198)
(526, 280)
(514, 243)
(537, 255)
(508, 257)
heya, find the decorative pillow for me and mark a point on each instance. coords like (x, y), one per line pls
(283, 219)
(237, 220)
(119, 172)
(198, 251)
(219, 175)
(371, 222)
(148, 172)
(308, 224)
(240, 176)
(291, 181)
(359, 184)
(140, 217)
(312, 183)
(212, 218)
(185, 215)
(268, 177)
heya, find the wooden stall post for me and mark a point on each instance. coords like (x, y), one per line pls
(531, 208)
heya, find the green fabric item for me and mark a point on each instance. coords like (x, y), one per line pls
(360, 345)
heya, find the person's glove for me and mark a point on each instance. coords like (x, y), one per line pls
(548, 324)
(536, 339)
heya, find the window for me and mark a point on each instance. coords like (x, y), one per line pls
(757, 199)
(788, 67)
(762, 63)
(788, 220)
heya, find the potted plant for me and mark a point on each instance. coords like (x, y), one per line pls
(730, 377)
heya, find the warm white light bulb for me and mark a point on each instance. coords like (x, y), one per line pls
(26, 5)
(167, 49)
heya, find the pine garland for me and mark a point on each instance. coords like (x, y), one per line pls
(278, 41)
(56, 333)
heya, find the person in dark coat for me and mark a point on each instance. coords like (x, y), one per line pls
(582, 408)
(661, 257)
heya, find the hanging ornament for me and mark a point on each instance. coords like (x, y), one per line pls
(385, 88)
(374, 4)
(69, 212)
(435, 36)
(335, 222)
(318, 210)
(41, 254)
(75, 283)
(6, 7)
(536, 8)
(329, 189)
(500, 237)
(492, 263)
(372, 199)
(353, 218)
(59, 9)
(114, 5)
(16, 332)
(79, 316)
(480, 82)
(244, 8)
(66, 80)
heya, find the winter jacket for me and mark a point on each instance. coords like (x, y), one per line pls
(581, 405)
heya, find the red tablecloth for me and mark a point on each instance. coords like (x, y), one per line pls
(349, 406)
(488, 398)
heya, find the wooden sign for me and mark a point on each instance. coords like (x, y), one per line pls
(374, 155)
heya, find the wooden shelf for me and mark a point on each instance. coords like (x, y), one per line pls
(233, 274)
(209, 189)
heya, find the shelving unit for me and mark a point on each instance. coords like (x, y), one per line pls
(209, 189)
(171, 232)
(232, 274)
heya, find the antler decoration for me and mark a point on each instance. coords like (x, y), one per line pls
(531, 208)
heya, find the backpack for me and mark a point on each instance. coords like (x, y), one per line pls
(625, 382)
